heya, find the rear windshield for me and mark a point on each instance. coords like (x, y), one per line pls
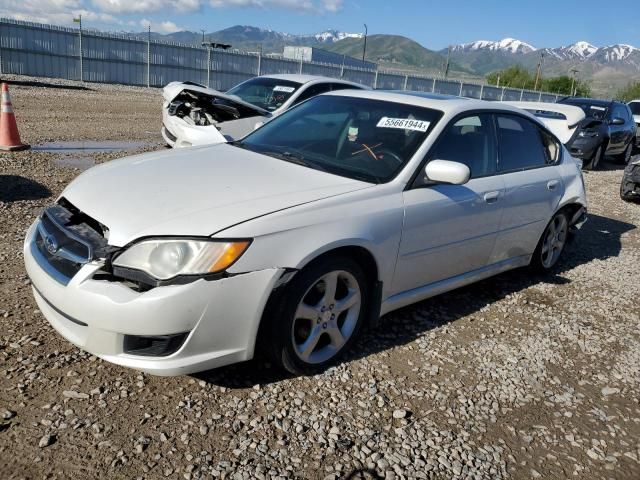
(359, 138)
(635, 108)
(266, 93)
(597, 112)
(547, 114)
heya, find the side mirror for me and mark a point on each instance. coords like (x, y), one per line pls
(444, 171)
(617, 121)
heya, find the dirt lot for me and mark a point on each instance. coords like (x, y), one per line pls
(519, 376)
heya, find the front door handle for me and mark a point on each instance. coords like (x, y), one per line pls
(491, 197)
(553, 184)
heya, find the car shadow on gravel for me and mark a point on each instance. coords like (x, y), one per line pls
(599, 239)
(15, 188)
(33, 83)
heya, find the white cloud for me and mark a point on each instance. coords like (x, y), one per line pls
(144, 6)
(310, 6)
(162, 27)
(60, 12)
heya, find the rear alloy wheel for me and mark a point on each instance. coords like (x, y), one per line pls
(594, 163)
(321, 313)
(552, 243)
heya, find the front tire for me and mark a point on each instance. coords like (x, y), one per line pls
(594, 162)
(625, 156)
(552, 243)
(319, 315)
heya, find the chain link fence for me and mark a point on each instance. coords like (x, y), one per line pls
(60, 52)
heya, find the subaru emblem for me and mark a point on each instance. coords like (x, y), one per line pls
(51, 244)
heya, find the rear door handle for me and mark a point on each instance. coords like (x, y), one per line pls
(553, 184)
(491, 197)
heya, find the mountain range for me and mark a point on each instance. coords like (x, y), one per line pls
(606, 68)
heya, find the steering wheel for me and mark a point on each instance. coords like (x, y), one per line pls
(384, 153)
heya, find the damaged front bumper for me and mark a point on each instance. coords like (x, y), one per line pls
(168, 330)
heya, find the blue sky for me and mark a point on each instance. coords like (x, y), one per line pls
(434, 24)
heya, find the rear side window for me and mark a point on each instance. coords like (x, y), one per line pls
(521, 145)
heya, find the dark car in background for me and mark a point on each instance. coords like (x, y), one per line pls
(608, 129)
(634, 106)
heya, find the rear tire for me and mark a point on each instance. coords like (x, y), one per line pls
(319, 315)
(551, 244)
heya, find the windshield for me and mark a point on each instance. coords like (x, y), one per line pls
(266, 93)
(359, 138)
(635, 108)
(596, 112)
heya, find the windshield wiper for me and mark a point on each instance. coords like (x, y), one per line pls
(292, 157)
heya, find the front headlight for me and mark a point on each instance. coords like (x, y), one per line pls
(164, 259)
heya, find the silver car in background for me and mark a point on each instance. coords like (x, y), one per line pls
(193, 114)
(292, 240)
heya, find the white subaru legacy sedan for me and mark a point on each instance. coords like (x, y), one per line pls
(293, 239)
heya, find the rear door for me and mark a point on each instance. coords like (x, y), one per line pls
(451, 229)
(528, 159)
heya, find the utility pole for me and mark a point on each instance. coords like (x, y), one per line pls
(364, 50)
(79, 20)
(148, 55)
(446, 65)
(574, 71)
(202, 35)
(539, 69)
(498, 82)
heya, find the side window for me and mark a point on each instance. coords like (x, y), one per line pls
(312, 91)
(520, 143)
(469, 140)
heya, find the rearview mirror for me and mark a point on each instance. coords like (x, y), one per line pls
(445, 171)
(617, 121)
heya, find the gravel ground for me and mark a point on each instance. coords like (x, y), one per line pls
(519, 376)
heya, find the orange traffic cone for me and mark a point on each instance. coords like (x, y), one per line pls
(9, 136)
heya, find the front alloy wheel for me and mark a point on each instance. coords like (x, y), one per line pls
(326, 317)
(319, 315)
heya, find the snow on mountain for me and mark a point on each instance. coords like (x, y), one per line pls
(581, 49)
(510, 45)
(616, 53)
(331, 36)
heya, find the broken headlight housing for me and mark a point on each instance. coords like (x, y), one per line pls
(167, 259)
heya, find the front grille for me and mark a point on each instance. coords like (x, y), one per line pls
(66, 239)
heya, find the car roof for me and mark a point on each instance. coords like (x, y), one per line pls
(300, 78)
(634, 101)
(587, 101)
(448, 104)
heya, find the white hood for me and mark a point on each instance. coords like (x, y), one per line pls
(564, 126)
(171, 91)
(195, 191)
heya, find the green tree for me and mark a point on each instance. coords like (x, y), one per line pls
(512, 77)
(519, 77)
(630, 92)
(563, 85)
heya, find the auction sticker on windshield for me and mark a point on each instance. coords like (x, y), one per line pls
(404, 124)
(281, 88)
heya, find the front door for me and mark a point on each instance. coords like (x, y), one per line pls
(451, 229)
